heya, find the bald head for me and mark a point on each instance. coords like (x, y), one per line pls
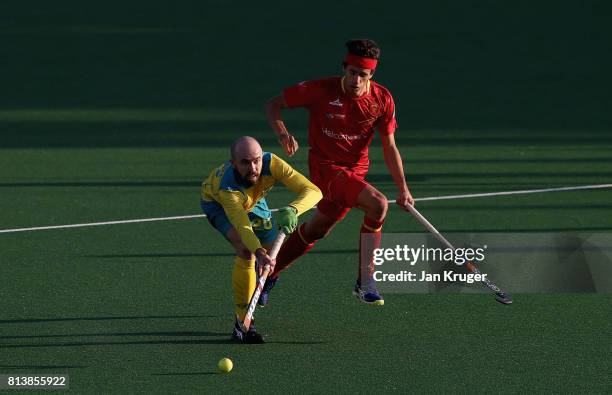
(247, 158)
(245, 145)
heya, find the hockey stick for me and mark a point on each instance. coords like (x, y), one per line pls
(500, 295)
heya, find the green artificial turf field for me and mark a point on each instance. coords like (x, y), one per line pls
(113, 113)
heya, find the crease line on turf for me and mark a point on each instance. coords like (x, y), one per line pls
(423, 199)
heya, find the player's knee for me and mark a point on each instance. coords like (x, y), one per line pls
(378, 209)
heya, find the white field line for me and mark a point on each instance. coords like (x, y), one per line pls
(523, 192)
(125, 221)
(447, 197)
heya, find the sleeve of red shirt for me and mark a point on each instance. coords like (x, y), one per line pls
(301, 95)
(387, 123)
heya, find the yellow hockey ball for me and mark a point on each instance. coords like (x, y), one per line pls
(225, 365)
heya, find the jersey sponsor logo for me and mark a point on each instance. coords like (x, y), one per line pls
(374, 109)
(335, 116)
(336, 103)
(342, 136)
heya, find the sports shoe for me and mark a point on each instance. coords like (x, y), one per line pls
(250, 337)
(370, 296)
(265, 292)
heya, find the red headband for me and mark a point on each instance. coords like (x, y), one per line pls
(359, 61)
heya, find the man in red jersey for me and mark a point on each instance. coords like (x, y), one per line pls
(344, 111)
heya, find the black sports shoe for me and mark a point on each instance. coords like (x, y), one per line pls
(250, 337)
(265, 292)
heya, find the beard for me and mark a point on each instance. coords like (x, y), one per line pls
(251, 177)
(248, 179)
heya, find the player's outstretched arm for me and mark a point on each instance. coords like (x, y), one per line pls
(393, 160)
(308, 194)
(273, 112)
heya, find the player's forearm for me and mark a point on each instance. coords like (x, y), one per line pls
(393, 161)
(273, 113)
(307, 198)
(308, 194)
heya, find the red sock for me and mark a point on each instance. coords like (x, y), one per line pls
(296, 246)
(370, 237)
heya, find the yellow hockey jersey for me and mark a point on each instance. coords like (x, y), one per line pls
(237, 200)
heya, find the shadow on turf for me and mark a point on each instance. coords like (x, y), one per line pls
(225, 340)
(184, 333)
(144, 342)
(454, 161)
(186, 374)
(378, 178)
(210, 133)
(62, 319)
(297, 342)
(146, 184)
(42, 366)
(207, 254)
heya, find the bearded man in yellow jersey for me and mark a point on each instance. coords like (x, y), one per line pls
(233, 199)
